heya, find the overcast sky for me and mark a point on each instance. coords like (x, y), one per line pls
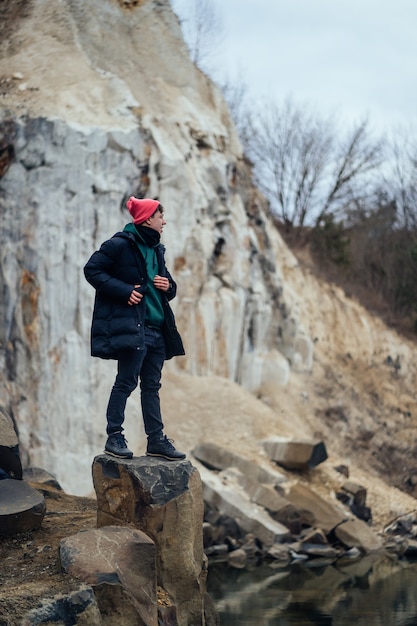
(354, 57)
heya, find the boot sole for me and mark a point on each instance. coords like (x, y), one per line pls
(118, 456)
(163, 456)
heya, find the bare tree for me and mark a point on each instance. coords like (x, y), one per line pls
(306, 171)
(401, 178)
(355, 158)
(202, 29)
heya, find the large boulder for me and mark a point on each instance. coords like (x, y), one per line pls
(354, 533)
(115, 556)
(326, 514)
(165, 501)
(22, 508)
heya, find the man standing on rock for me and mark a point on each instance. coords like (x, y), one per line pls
(134, 323)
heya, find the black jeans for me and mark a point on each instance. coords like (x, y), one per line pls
(132, 364)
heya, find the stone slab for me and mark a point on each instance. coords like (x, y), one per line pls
(326, 514)
(295, 454)
(355, 533)
(22, 508)
(219, 458)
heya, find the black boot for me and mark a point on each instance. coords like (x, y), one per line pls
(116, 446)
(162, 447)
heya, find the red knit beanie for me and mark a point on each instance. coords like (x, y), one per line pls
(140, 210)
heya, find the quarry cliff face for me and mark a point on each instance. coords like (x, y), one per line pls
(100, 101)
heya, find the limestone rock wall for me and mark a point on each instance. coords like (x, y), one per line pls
(101, 102)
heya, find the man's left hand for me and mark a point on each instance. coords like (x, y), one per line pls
(161, 283)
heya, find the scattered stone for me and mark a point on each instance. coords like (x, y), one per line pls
(357, 492)
(224, 529)
(279, 552)
(316, 536)
(218, 458)
(403, 525)
(342, 469)
(396, 545)
(354, 496)
(410, 550)
(294, 518)
(220, 549)
(208, 535)
(295, 454)
(79, 607)
(263, 494)
(315, 544)
(315, 550)
(227, 497)
(41, 477)
(238, 558)
(251, 547)
(326, 514)
(355, 533)
(362, 512)
(115, 555)
(22, 508)
(352, 553)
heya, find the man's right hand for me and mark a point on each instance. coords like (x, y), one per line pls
(135, 296)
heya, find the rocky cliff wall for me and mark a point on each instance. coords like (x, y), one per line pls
(100, 101)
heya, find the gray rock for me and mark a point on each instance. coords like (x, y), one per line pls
(238, 558)
(115, 555)
(229, 499)
(295, 454)
(403, 525)
(326, 514)
(355, 533)
(411, 549)
(357, 492)
(41, 477)
(263, 494)
(219, 458)
(280, 552)
(78, 608)
(316, 550)
(22, 508)
(163, 499)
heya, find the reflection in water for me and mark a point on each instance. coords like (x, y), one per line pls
(369, 592)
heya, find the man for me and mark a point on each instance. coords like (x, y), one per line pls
(134, 323)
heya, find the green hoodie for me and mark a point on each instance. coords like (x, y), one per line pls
(154, 312)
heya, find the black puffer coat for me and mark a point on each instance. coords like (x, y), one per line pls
(113, 271)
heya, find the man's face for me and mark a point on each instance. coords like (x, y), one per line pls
(156, 221)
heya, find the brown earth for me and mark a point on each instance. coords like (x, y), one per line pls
(30, 567)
